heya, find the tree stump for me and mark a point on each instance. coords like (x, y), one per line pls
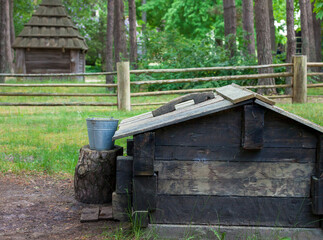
(95, 175)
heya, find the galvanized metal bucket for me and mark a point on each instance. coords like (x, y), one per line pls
(101, 131)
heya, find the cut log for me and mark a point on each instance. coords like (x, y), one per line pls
(95, 175)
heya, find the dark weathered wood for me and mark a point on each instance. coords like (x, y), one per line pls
(121, 206)
(170, 106)
(140, 218)
(317, 205)
(130, 147)
(317, 187)
(90, 214)
(95, 175)
(253, 127)
(20, 61)
(106, 213)
(234, 178)
(144, 193)
(124, 175)
(319, 157)
(256, 211)
(210, 153)
(144, 152)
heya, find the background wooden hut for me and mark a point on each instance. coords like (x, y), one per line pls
(50, 43)
(229, 158)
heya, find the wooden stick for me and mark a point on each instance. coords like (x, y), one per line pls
(124, 101)
(146, 104)
(56, 74)
(314, 85)
(57, 85)
(279, 96)
(300, 79)
(58, 104)
(315, 74)
(315, 64)
(207, 69)
(58, 94)
(220, 78)
(268, 86)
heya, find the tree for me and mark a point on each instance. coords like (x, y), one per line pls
(304, 27)
(120, 44)
(248, 25)
(133, 33)
(230, 25)
(318, 36)
(263, 42)
(272, 26)
(143, 30)
(109, 46)
(6, 57)
(291, 40)
(311, 36)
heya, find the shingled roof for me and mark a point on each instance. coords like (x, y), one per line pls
(226, 97)
(50, 27)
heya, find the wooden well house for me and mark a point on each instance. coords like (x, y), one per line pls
(50, 43)
(230, 158)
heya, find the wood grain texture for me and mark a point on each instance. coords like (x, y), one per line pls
(255, 211)
(234, 178)
(319, 157)
(144, 193)
(234, 94)
(253, 127)
(144, 152)
(300, 79)
(124, 174)
(121, 206)
(130, 147)
(210, 153)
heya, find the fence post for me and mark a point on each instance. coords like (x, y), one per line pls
(300, 79)
(123, 76)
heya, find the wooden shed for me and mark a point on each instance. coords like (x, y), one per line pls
(50, 43)
(230, 158)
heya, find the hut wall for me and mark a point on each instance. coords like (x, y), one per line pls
(48, 61)
(20, 61)
(205, 175)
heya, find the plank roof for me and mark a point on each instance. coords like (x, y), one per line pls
(50, 27)
(224, 98)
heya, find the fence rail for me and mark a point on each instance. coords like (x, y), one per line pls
(297, 71)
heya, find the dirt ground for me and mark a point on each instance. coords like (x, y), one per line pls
(43, 207)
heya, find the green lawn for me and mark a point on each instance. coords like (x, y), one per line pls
(49, 138)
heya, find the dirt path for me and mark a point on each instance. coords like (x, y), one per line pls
(43, 207)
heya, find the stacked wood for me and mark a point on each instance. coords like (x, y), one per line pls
(95, 175)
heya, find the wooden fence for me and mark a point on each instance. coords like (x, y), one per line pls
(298, 73)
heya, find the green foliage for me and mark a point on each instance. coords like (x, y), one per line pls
(318, 8)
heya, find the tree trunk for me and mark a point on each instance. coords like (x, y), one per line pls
(263, 43)
(109, 51)
(272, 26)
(5, 43)
(133, 33)
(304, 28)
(311, 37)
(144, 20)
(248, 26)
(95, 175)
(12, 26)
(120, 44)
(230, 25)
(291, 39)
(317, 35)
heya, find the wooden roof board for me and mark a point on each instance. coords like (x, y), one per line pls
(234, 94)
(181, 115)
(291, 116)
(50, 27)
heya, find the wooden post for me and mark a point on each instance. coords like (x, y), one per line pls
(124, 102)
(300, 79)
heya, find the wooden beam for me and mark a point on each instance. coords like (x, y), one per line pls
(253, 127)
(144, 153)
(124, 175)
(300, 79)
(124, 101)
(130, 147)
(144, 193)
(35, 104)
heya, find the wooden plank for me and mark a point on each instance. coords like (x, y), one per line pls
(20, 61)
(234, 178)
(144, 193)
(130, 147)
(255, 211)
(291, 116)
(181, 115)
(121, 206)
(90, 214)
(234, 94)
(217, 129)
(300, 79)
(106, 213)
(210, 153)
(319, 157)
(33, 66)
(124, 174)
(140, 218)
(136, 118)
(144, 152)
(253, 127)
